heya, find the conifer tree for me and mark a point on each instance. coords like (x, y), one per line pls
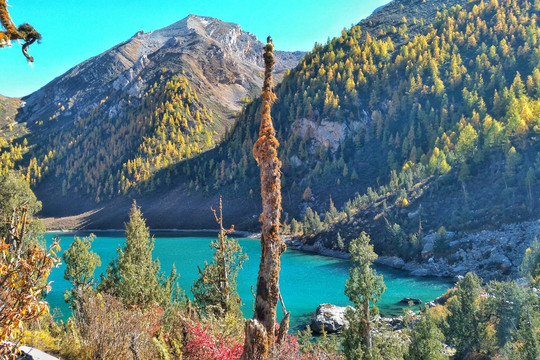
(530, 266)
(133, 276)
(426, 341)
(215, 289)
(464, 330)
(363, 288)
(81, 263)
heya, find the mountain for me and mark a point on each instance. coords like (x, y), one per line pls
(424, 115)
(160, 97)
(220, 60)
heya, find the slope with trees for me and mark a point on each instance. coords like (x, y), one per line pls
(447, 114)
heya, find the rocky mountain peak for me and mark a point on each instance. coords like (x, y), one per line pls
(202, 25)
(221, 60)
(195, 29)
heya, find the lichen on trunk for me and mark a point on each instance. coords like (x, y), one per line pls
(260, 331)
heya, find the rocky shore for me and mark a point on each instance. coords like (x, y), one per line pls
(492, 254)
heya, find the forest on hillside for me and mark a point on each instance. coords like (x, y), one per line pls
(438, 112)
(440, 100)
(458, 99)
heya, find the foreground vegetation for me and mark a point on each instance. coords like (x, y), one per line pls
(134, 311)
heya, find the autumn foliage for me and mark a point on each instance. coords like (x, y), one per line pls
(23, 280)
(203, 344)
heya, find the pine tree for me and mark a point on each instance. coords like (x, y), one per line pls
(426, 341)
(81, 264)
(530, 266)
(133, 276)
(463, 329)
(363, 288)
(215, 289)
(339, 242)
(527, 345)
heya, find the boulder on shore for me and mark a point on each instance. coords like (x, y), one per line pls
(407, 300)
(330, 316)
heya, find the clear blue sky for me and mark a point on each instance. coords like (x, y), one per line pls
(75, 30)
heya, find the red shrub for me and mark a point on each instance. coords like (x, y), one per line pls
(203, 344)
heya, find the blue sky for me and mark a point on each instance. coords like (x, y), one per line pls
(74, 31)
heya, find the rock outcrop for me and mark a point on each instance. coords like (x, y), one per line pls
(492, 254)
(329, 316)
(489, 253)
(407, 300)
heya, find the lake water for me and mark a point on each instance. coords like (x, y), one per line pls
(306, 280)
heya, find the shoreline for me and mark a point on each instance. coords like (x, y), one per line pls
(240, 233)
(491, 254)
(488, 253)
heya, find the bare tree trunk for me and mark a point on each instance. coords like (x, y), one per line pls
(25, 32)
(260, 331)
(224, 275)
(367, 328)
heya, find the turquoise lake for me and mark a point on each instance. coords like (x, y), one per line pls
(306, 280)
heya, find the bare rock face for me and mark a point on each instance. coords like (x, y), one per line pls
(329, 134)
(222, 62)
(330, 316)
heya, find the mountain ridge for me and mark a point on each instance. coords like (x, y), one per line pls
(119, 67)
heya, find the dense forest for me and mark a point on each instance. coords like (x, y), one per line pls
(97, 156)
(385, 118)
(383, 114)
(379, 122)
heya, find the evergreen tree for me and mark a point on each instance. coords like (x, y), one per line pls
(426, 341)
(527, 344)
(133, 276)
(362, 288)
(215, 289)
(339, 243)
(504, 306)
(530, 266)
(81, 263)
(464, 327)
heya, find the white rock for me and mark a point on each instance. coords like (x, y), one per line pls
(331, 316)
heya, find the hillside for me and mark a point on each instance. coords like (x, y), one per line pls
(421, 116)
(405, 130)
(8, 110)
(110, 123)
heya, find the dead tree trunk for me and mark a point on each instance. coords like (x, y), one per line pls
(260, 330)
(224, 281)
(25, 32)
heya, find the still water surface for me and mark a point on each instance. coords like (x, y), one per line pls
(306, 280)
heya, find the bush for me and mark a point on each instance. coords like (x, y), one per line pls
(203, 344)
(104, 328)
